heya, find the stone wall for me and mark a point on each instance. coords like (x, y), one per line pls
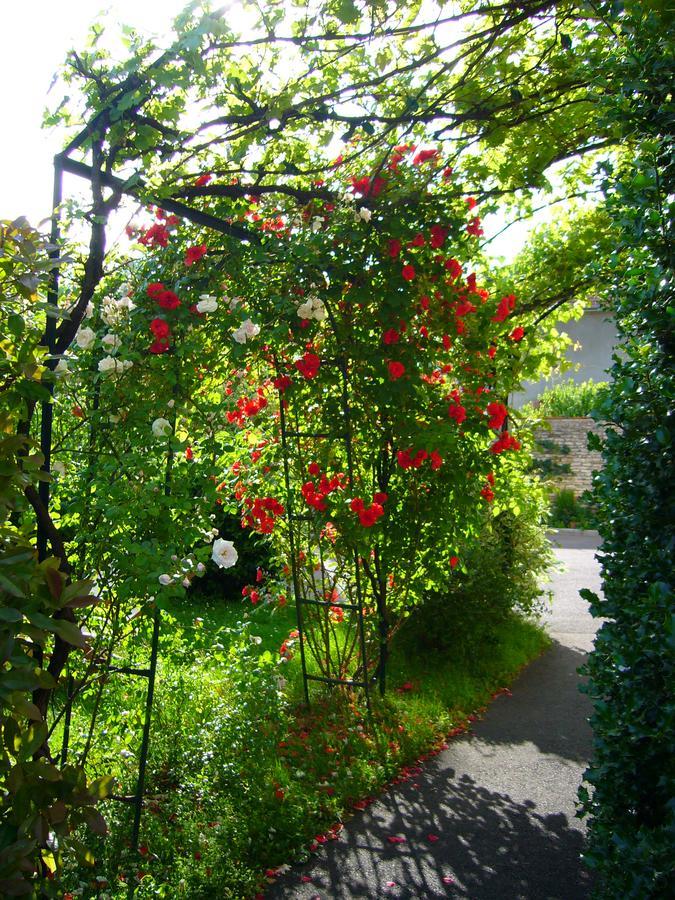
(567, 432)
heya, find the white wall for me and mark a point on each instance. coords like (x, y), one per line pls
(594, 337)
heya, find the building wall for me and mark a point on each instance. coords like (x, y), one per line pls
(594, 338)
(573, 434)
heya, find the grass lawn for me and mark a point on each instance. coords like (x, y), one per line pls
(242, 778)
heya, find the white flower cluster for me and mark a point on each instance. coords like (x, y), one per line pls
(109, 365)
(246, 331)
(312, 308)
(207, 303)
(161, 427)
(114, 310)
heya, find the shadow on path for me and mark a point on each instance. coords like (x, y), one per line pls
(490, 845)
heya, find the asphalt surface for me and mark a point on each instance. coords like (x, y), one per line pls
(499, 802)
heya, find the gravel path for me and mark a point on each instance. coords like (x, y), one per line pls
(500, 801)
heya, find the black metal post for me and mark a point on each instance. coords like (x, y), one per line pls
(291, 541)
(143, 761)
(46, 423)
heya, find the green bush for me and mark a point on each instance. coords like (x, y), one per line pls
(628, 798)
(570, 511)
(497, 575)
(571, 399)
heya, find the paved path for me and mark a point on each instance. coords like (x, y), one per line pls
(501, 800)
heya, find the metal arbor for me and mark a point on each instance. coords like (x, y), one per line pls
(332, 655)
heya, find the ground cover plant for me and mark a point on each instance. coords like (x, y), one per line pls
(290, 379)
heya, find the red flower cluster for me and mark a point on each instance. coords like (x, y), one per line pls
(505, 308)
(457, 412)
(369, 515)
(262, 514)
(474, 227)
(423, 156)
(408, 272)
(282, 382)
(487, 493)
(315, 494)
(406, 460)
(396, 369)
(498, 413)
(203, 180)
(308, 365)
(517, 334)
(368, 187)
(165, 298)
(505, 441)
(155, 236)
(438, 236)
(194, 254)
(247, 407)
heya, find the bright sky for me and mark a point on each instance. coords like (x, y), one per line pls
(34, 39)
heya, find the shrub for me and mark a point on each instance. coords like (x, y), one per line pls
(628, 798)
(570, 511)
(571, 399)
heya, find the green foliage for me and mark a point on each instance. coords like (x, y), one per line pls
(42, 803)
(571, 398)
(500, 573)
(568, 511)
(242, 778)
(628, 798)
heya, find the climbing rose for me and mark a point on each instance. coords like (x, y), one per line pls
(498, 413)
(160, 328)
(206, 303)
(194, 254)
(517, 334)
(168, 300)
(438, 236)
(506, 306)
(85, 338)
(308, 365)
(161, 427)
(394, 247)
(202, 180)
(408, 272)
(454, 560)
(160, 345)
(223, 553)
(155, 290)
(391, 336)
(396, 369)
(457, 412)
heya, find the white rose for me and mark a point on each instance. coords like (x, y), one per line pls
(61, 369)
(306, 310)
(319, 311)
(89, 311)
(223, 553)
(251, 329)
(85, 338)
(107, 364)
(161, 427)
(317, 222)
(111, 342)
(240, 335)
(126, 364)
(207, 304)
(165, 580)
(365, 214)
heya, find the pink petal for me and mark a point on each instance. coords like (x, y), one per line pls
(393, 839)
(390, 883)
(305, 879)
(432, 837)
(448, 879)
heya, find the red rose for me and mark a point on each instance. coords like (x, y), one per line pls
(159, 345)
(160, 328)
(308, 365)
(517, 334)
(408, 272)
(357, 505)
(168, 300)
(438, 236)
(380, 497)
(457, 412)
(202, 180)
(394, 247)
(194, 254)
(396, 369)
(391, 336)
(314, 468)
(155, 290)
(454, 561)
